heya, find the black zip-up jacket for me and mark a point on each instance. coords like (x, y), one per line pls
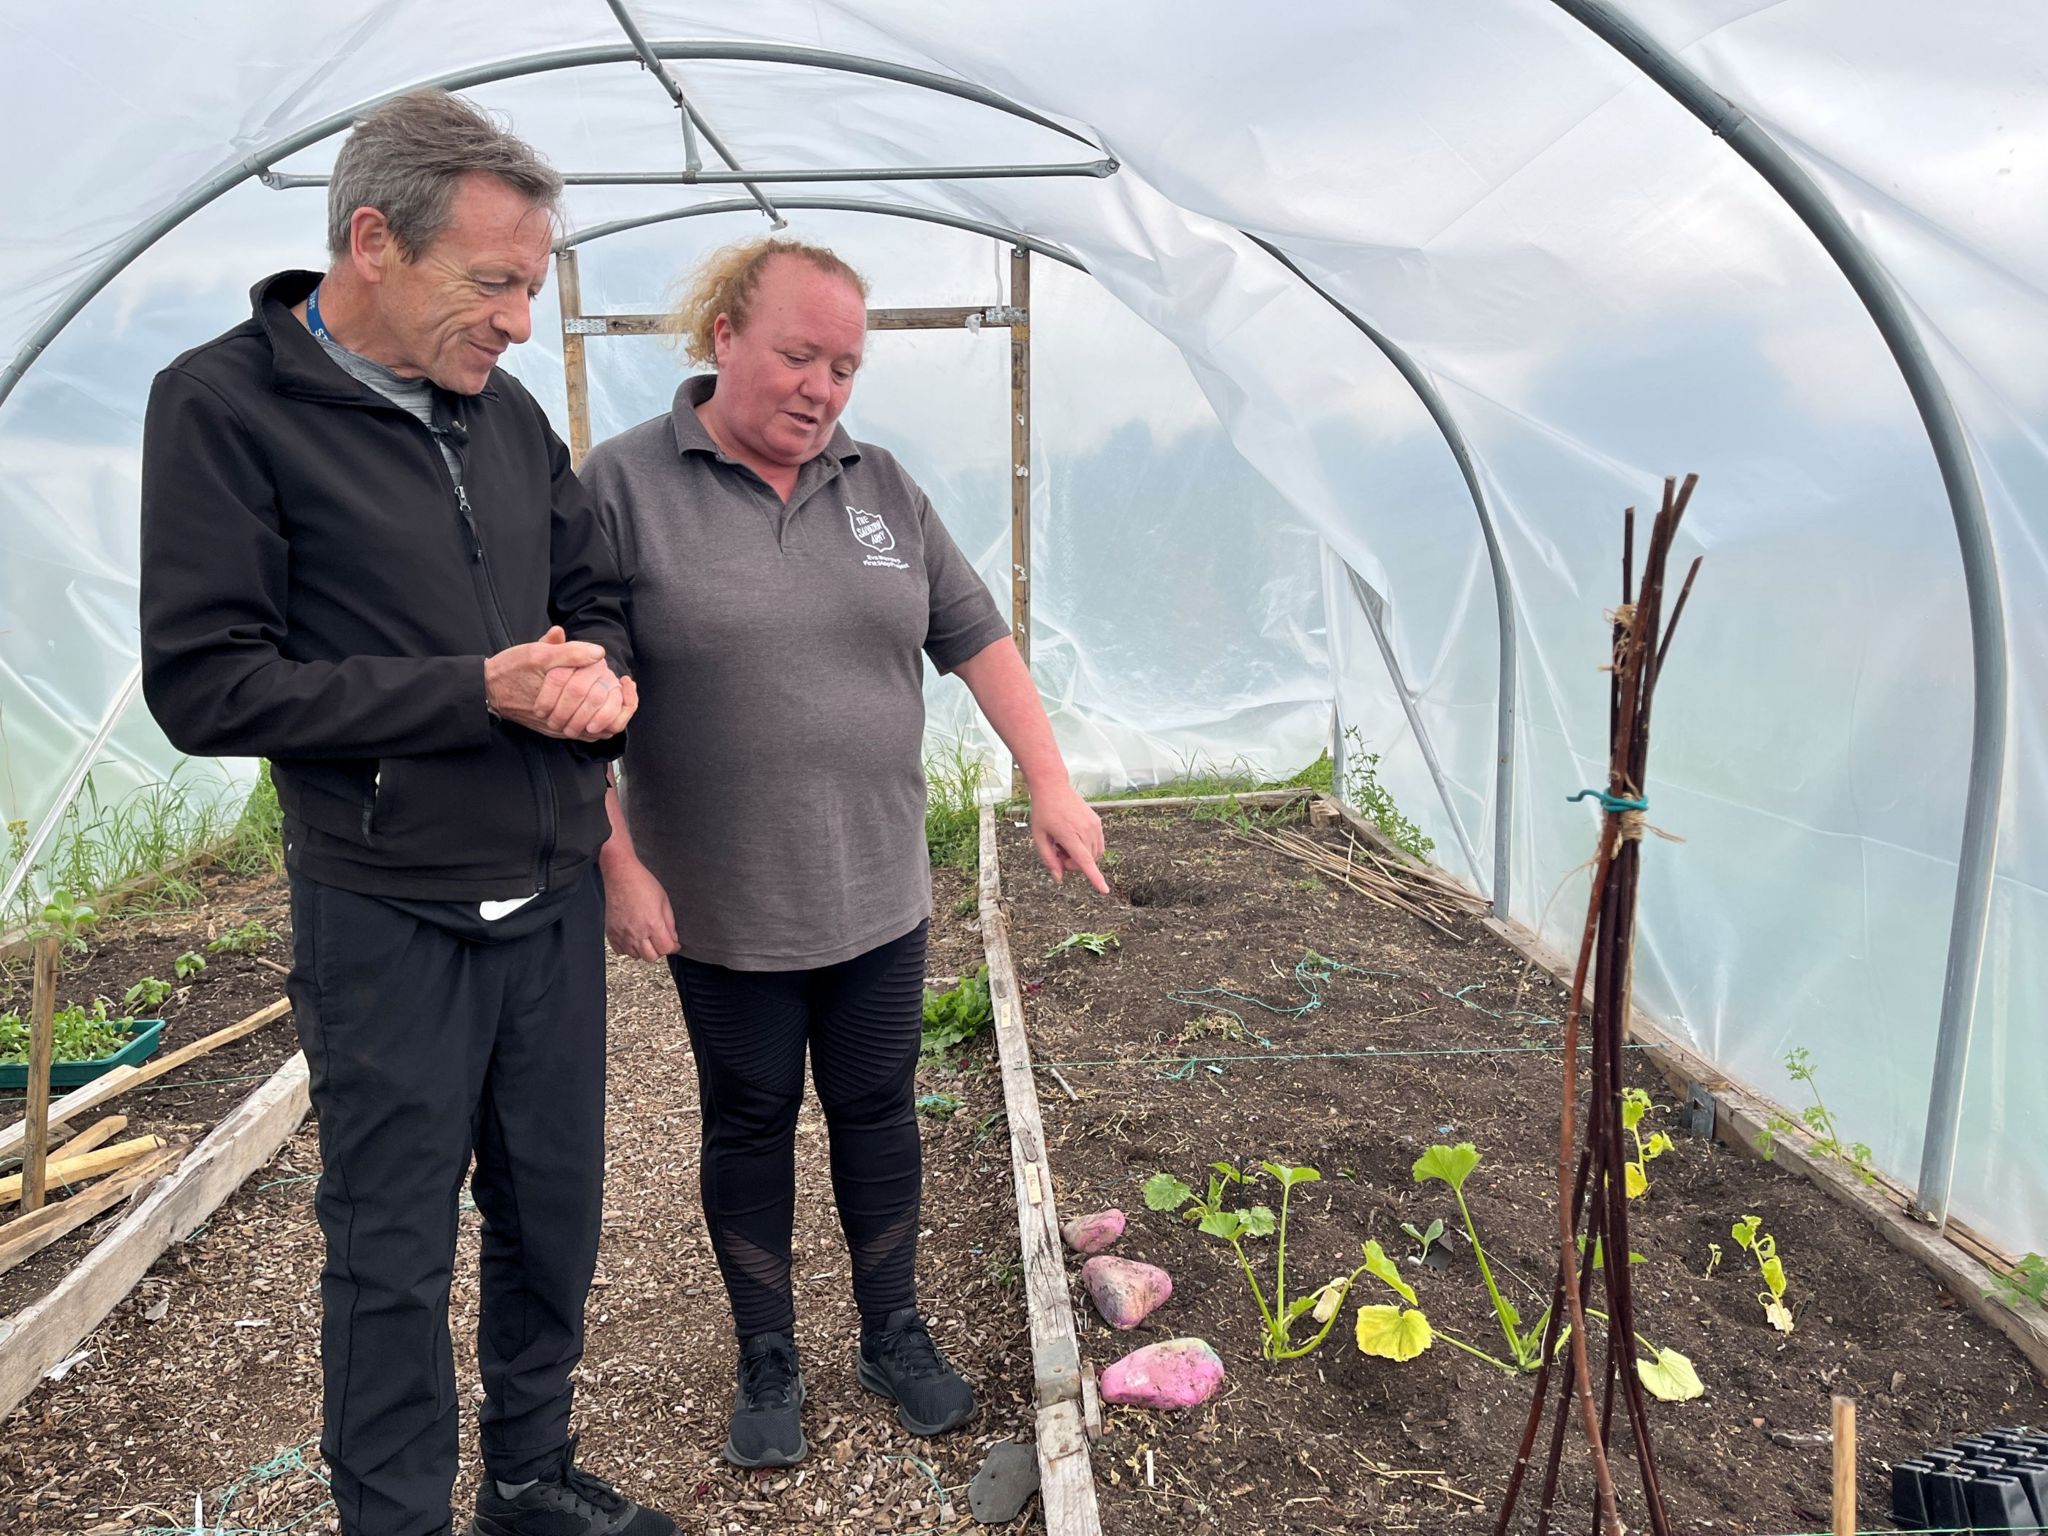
(318, 591)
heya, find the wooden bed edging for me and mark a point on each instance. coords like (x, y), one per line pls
(1066, 1470)
(50, 1328)
(1959, 1258)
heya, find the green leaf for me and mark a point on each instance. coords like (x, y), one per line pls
(1634, 1105)
(1289, 1175)
(1258, 1221)
(1301, 1304)
(1163, 1192)
(1774, 1275)
(1657, 1146)
(1227, 1225)
(1229, 1172)
(1670, 1377)
(1393, 1333)
(1451, 1164)
(1744, 1231)
(1379, 1264)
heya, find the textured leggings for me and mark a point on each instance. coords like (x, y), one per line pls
(749, 1029)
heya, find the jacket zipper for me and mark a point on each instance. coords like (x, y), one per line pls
(543, 782)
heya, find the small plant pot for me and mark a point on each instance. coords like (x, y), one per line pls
(143, 1035)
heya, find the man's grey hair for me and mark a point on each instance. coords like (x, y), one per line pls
(407, 158)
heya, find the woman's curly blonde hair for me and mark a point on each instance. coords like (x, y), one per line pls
(726, 282)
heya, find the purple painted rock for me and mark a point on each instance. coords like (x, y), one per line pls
(1124, 1291)
(1092, 1234)
(1181, 1373)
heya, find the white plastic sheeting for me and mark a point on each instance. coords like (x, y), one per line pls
(1602, 292)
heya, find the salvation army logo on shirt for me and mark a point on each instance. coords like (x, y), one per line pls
(869, 528)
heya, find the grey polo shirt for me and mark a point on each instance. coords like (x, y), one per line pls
(774, 776)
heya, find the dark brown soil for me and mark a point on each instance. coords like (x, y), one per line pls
(189, 1101)
(206, 1380)
(1340, 1441)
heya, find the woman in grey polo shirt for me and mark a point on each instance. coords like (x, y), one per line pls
(787, 583)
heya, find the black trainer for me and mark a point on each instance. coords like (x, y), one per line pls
(565, 1502)
(767, 1408)
(902, 1362)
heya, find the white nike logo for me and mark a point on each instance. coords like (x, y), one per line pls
(491, 911)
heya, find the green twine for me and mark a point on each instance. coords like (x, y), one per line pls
(1613, 804)
(285, 1463)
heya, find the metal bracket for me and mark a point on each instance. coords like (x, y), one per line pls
(583, 325)
(1697, 1117)
(1004, 314)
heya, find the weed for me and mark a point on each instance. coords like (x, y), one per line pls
(76, 1034)
(2027, 1280)
(952, 808)
(1818, 1123)
(66, 918)
(1635, 1103)
(188, 965)
(1713, 1260)
(1006, 1273)
(148, 993)
(1094, 943)
(242, 939)
(1749, 1234)
(955, 1016)
(966, 905)
(1425, 1239)
(1363, 789)
(938, 1106)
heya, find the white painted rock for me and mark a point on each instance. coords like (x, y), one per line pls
(1092, 1234)
(1181, 1373)
(1124, 1291)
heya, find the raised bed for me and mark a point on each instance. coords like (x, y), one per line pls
(1433, 1039)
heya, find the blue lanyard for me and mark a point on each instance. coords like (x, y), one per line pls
(313, 322)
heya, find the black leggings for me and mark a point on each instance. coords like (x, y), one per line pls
(861, 1019)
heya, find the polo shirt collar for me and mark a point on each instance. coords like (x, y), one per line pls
(692, 438)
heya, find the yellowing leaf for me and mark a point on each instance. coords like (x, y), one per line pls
(1774, 1275)
(1779, 1316)
(1377, 1261)
(1638, 1183)
(1670, 1377)
(1657, 1146)
(1393, 1333)
(1329, 1299)
(1634, 1104)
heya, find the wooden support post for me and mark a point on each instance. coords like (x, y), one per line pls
(42, 1006)
(1845, 1466)
(1020, 466)
(575, 369)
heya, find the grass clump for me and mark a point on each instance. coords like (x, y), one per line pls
(952, 808)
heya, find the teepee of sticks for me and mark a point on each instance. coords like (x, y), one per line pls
(1592, 1195)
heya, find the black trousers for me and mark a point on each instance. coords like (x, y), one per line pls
(427, 1050)
(749, 1029)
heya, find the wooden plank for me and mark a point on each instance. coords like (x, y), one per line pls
(1742, 1116)
(577, 326)
(98, 1134)
(1066, 1473)
(119, 1081)
(950, 317)
(47, 1330)
(1055, 1351)
(575, 367)
(88, 1165)
(614, 325)
(1263, 799)
(36, 1144)
(30, 1235)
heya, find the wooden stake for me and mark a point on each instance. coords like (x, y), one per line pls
(88, 1165)
(575, 370)
(42, 1008)
(1845, 1466)
(26, 1236)
(1020, 467)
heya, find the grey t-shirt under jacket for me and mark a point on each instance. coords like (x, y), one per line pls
(774, 777)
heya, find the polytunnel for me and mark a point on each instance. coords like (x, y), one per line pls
(1354, 328)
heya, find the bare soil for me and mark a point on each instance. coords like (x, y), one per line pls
(1429, 1040)
(206, 1380)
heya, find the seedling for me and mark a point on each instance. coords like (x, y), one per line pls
(1210, 1212)
(1634, 1105)
(1454, 1165)
(1425, 1239)
(242, 939)
(1749, 1234)
(2027, 1280)
(67, 919)
(188, 965)
(149, 992)
(1817, 1122)
(1094, 943)
(1713, 1260)
(956, 1016)
(76, 1034)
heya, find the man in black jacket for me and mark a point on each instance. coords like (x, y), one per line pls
(365, 558)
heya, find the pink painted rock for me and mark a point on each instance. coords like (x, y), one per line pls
(1092, 1234)
(1124, 1291)
(1181, 1373)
